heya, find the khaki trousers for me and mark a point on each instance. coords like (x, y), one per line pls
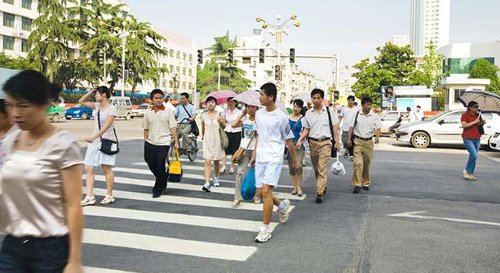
(320, 158)
(363, 151)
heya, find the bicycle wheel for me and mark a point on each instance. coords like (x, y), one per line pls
(194, 151)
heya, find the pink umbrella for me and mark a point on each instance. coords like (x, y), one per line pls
(221, 96)
(251, 97)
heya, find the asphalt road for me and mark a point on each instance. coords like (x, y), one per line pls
(420, 216)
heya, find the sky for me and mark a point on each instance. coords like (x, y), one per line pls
(351, 28)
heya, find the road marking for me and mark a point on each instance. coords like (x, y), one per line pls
(168, 245)
(170, 199)
(189, 187)
(201, 168)
(176, 218)
(185, 175)
(88, 269)
(413, 214)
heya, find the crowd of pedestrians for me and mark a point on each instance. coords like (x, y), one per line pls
(41, 214)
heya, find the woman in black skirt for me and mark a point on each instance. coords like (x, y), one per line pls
(233, 134)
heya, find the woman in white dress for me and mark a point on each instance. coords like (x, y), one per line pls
(211, 121)
(94, 157)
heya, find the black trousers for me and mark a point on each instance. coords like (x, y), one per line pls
(156, 156)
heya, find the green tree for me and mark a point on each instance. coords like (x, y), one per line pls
(14, 63)
(483, 69)
(231, 77)
(431, 70)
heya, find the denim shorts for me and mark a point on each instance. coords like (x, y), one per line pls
(36, 255)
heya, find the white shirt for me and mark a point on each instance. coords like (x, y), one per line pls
(230, 117)
(104, 114)
(419, 115)
(159, 125)
(318, 123)
(366, 124)
(169, 106)
(347, 115)
(273, 130)
(248, 132)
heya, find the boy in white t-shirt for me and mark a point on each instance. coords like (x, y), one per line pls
(273, 131)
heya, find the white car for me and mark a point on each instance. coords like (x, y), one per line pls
(495, 141)
(444, 128)
(388, 119)
(140, 110)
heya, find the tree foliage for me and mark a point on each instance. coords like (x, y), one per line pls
(231, 77)
(14, 63)
(483, 69)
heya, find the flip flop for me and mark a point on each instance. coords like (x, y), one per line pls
(222, 172)
(231, 172)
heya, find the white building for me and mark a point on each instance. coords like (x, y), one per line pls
(459, 59)
(293, 80)
(17, 18)
(401, 40)
(429, 23)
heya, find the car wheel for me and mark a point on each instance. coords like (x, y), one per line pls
(85, 116)
(68, 118)
(420, 140)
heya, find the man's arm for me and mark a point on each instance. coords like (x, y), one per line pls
(303, 135)
(146, 134)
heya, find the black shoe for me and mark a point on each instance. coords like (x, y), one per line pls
(156, 195)
(324, 191)
(356, 189)
(319, 199)
(366, 188)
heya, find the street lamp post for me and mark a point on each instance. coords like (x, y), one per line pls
(124, 48)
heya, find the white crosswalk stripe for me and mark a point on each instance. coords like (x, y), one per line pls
(127, 190)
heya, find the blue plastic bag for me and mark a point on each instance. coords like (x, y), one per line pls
(248, 186)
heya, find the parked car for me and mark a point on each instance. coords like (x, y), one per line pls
(123, 106)
(445, 128)
(140, 110)
(55, 112)
(79, 111)
(495, 141)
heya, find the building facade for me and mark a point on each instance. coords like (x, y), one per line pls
(17, 17)
(401, 40)
(429, 24)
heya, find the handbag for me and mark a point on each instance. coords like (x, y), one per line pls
(194, 126)
(175, 169)
(333, 151)
(481, 127)
(248, 186)
(224, 141)
(238, 155)
(107, 146)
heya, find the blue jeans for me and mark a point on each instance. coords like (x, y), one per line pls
(34, 255)
(472, 146)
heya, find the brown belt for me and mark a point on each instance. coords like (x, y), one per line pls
(318, 139)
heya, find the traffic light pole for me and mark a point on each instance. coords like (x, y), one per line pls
(124, 44)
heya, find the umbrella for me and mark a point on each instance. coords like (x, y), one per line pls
(343, 100)
(221, 96)
(251, 97)
(488, 102)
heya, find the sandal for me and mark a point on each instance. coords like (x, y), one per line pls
(300, 192)
(222, 171)
(294, 191)
(231, 171)
(108, 199)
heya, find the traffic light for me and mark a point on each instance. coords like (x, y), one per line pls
(292, 55)
(120, 74)
(200, 56)
(277, 72)
(262, 55)
(230, 56)
(101, 58)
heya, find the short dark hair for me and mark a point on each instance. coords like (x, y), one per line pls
(418, 106)
(300, 103)
(408, 108)
(185, 94)
(351, 97)
(32, 86)
(104, 90)
(270, 90)
(366, 100)
(472, 104)
(154, 92)
(210, 98)
(318, 91)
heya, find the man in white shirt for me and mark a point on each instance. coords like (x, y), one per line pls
(346, 115)
(362, 129)
(273, 131)
(419, 115)
(160, 127)
(168, 104)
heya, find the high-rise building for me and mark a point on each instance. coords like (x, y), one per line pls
(401, 40)
(16, 17)
(429, 23)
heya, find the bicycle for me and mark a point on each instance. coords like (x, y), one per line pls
(192, 150)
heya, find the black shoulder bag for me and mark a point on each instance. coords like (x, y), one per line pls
(354, 126)
(194, 125)
(481, 127)
(333, 152)
(107, 146)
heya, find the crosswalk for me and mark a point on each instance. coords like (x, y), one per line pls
(185, 222)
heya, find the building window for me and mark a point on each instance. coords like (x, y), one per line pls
(255, 74)
(178, 55)
(190, 72)
(8, 20)
(184, 85)
(171, 69)
(26, 24)
(26, 4)
(184, 71)
(190, 86)
(171, 53)
(178, 69)
(190, 57)
(24, 45)
(462, 65)
(184, 56)
(9, 1)
(8, 43)
(247, 60)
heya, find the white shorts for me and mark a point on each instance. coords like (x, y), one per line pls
(94, 157)
(267, 173)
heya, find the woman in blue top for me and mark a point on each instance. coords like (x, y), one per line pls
(295, 121)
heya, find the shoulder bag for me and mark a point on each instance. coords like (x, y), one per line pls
(107, 146)
(333, 152)
(238, 155)
(194, 126)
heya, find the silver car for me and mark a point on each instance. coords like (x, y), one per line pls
(444, 128)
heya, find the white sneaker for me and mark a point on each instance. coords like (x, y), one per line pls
(257, 199)
(264, 235)
(216, 182)
(88, 201)
(108, 199)
(206, 187)
(284, 212)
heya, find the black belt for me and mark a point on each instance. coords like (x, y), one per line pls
(319, 139)
(362, 138)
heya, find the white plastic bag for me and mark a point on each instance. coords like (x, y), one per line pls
(337, 167)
